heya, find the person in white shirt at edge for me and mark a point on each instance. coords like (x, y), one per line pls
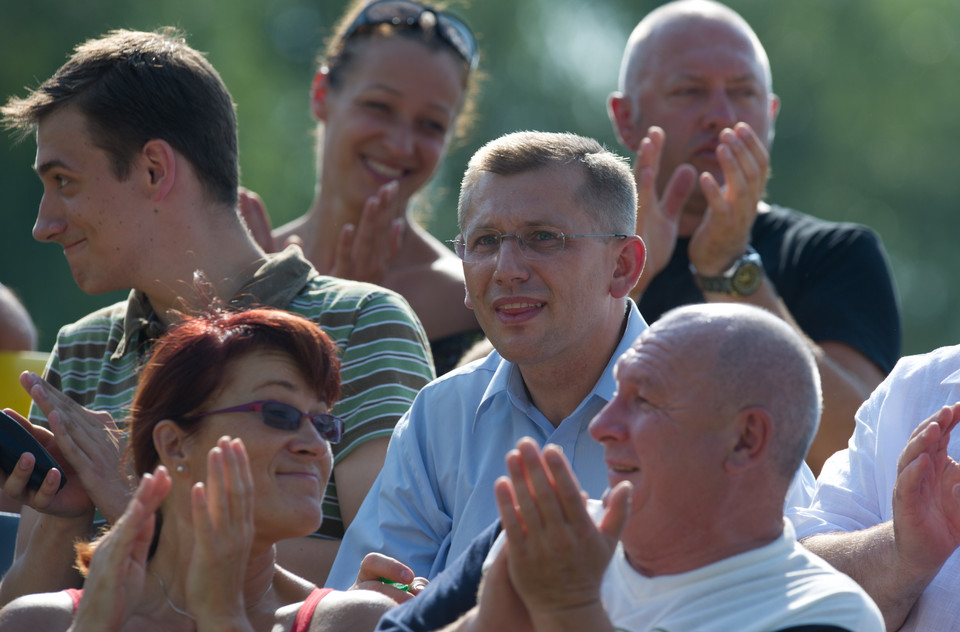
(549, 255)
(887, 509)
(715, 408)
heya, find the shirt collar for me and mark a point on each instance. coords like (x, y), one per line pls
(274, 284)
(507, 378)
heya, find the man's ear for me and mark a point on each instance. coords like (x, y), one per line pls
(774, 105)
(318, 94)
(622, 116)
(629, 265)
(753, 441)
(160, 165)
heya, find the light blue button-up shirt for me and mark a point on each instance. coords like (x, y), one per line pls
(435, 491)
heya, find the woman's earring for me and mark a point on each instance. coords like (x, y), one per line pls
(181, 468)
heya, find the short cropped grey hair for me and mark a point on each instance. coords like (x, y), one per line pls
(609, 193)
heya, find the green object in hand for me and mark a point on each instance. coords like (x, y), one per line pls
(397, 585)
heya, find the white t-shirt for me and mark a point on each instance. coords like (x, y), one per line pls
(776, 586)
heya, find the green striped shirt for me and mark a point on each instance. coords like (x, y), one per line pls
(384, 354)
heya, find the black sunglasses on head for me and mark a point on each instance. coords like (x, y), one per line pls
(413, 15)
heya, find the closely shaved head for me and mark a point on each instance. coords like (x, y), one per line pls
(754, 359)
(639, 49)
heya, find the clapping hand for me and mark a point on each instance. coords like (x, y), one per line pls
(724, 233)
(70, 502)
(550, 571)
(88, 443)
(365, 250)
(115, 581)
(926, 495)
(658, 216)
(223, 525)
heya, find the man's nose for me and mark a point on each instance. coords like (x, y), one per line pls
(50, 221)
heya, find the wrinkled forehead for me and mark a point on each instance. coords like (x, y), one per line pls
(673, 356)
(647, 357)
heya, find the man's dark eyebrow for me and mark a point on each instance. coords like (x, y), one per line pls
(748, 76)
(47, 166)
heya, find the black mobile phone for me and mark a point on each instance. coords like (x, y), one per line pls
(14, 441)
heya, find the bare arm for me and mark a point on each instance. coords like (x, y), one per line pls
(870, 557)
(44, 556)
(356, 474)
(50, 612)
(353, 611)
(896, 560)
(114, 584)
(848, 377)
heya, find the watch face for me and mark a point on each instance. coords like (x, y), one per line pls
(747, 278)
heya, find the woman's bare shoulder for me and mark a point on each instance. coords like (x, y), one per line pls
(349, 611)
(42, 611)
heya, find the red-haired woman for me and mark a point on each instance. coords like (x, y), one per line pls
(231, 417)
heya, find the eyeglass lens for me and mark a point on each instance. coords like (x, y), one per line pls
(286, 417)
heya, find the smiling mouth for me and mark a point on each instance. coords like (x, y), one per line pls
(386, 171)
(303, 475)
(510, 306)
(72, 244)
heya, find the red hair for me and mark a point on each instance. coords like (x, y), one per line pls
(187, 367)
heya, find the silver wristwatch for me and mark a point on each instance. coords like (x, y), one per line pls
(740, 279)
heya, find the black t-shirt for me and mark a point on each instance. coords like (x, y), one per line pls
(833, 277)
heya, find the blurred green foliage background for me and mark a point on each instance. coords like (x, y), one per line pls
(868, 132)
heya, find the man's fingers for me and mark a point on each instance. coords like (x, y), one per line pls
(754, 145)
(507, 507)
(740, 167)
(376, 565)
(526, 501)
(617, 504)
(951, 417)
(910, 479)
(925, 437)
(567, 487)
(545, 504)
(678, 190)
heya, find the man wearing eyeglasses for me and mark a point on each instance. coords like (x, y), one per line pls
(701, 121)
(549, 259)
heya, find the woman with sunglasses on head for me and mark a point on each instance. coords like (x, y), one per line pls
(230, 432)
(393, 87)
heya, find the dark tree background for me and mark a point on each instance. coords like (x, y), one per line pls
(868, 132)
